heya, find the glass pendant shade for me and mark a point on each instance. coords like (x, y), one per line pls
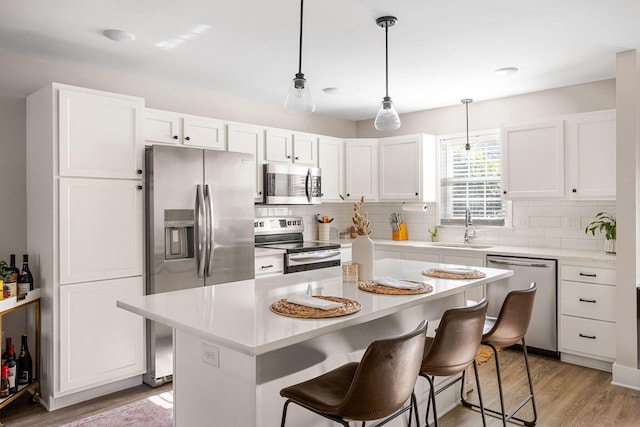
(299, 97)
(387, 117)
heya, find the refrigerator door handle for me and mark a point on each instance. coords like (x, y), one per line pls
(209, 214)
(307, 185)
(200, 230)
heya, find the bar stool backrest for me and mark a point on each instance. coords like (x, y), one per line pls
(513, 321)
(457, 340)
(385, 377)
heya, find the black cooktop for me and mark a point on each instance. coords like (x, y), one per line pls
(301, 246)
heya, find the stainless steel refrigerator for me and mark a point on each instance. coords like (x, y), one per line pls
(199, 219)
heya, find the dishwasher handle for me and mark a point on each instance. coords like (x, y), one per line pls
(519, 263)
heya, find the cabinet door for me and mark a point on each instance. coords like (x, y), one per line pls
(278, 146)
(203, 132)
(421, 255)
(99, 342)
(591, 155)
(361, 156)
(475, 294)
(161, 127)
(400, 168)
(100, 134)
(249, 139)
(305, 150)
(533, 160)
(331, 163)
(100, 227)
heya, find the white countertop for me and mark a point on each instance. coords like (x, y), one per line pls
(237, 315)
(560, 254)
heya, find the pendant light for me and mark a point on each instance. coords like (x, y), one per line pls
(466, 102)
(387, 117)
(299, 97)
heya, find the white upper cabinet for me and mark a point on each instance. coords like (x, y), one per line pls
(99, 134)
(282, 146)
(331, 163)
(591, 155)
(167, 127)
(249, 139)
(203, 132)
(361, 169)
(533, 160)
(408, 168)
(305, 150)
(162, 127)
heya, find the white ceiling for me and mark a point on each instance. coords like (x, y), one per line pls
(440, 51)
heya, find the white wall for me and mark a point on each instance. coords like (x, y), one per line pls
(494, 113)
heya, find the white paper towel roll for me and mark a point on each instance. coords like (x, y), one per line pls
(414, 207)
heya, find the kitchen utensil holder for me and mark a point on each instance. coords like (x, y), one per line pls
(400, 234)
(324, 231)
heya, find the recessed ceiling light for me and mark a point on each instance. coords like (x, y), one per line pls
(332, 90)
(119, 35)
(506, 70)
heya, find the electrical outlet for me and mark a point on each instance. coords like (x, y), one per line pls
(573, 221)
(210, 355)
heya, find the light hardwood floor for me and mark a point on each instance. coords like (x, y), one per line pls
(566, 395)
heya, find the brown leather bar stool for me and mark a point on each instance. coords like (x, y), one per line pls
(453, 349)
(507, 329)
(379, 386)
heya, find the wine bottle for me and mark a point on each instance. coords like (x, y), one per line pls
(11, 363)
(25, 364)
(10, 285)
(25, 281)
(5, 353)
(4, 382)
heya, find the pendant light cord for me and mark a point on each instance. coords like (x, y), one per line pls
(386, 60)
(300, 46)
(466, 102)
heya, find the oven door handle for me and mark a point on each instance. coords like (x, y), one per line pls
(314, 256)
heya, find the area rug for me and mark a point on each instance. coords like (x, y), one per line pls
(154, 411)
(485, 354)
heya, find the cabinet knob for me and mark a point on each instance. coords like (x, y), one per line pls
(259, 192)
(175, 136)
(139, 171)
(139, 187)
(574, 190)
(416, 193)
(504, 192)
(348, 195)
(288, 157)
(297, 158)
(187, 138)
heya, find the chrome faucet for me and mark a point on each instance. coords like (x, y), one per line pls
(468, 235)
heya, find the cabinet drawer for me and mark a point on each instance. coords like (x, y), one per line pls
(592, 337)
(588, 300)
(272, 264)
(589, 274)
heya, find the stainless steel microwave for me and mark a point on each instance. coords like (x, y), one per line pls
(291, 185)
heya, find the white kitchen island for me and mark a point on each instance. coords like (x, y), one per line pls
(232, 355)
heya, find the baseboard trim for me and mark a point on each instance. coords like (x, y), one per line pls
(625, 376)
(53, 404)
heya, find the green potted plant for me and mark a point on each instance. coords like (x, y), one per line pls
(434, 234)
(604, 223)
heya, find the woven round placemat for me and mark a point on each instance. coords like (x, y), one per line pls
(446, 275)
(286, 308)
(376, 288)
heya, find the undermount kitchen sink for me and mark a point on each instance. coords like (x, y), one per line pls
(461, 245)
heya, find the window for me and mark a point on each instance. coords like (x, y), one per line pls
(471, 179)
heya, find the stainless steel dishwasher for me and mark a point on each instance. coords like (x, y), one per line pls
(542, 335)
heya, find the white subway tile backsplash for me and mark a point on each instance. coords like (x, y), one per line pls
(536, 223)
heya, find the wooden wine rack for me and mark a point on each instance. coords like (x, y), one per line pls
(7, 306)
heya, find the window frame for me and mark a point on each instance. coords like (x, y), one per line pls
(473, 136)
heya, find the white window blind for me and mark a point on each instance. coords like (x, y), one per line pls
(471, 179)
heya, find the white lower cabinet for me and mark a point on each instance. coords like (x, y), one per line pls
(587, 330)
(269, 265)
(90, 353)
